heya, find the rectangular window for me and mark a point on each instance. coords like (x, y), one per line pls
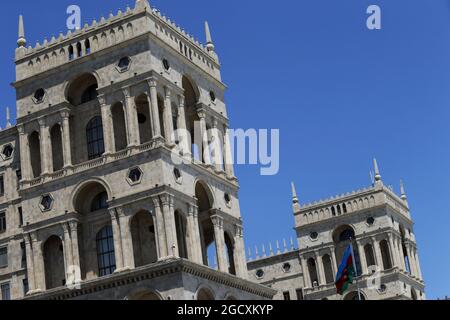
(300, 294)
(2, 222)
(286, 295)
(20, 216)
(25, 287)
(24, 255)
(2, 186)
(6, 291)
(3, 257)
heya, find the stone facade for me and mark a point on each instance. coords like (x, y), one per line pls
(377, 222)
(106, 193)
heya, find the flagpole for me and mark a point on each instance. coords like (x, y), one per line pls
(356, 270)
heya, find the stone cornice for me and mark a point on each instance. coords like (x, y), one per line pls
(153, 271)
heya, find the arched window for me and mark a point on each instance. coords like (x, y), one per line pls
(87, 44)
(79, 50)
(99, 202)
(71, 54)
(344, 207)
(370, 258)
(333, 211)
(339, 210)
(386, 255)
(105, 252)
(327, 265)
(313, 272)
(342, 237)
(94, 135)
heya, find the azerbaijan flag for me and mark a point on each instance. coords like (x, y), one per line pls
(346, 272)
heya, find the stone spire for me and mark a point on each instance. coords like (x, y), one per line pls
(21, 42)
(377, 172)
(209, 42)
(143, 5)
(8, 118)
(402, 191)
(294, 193)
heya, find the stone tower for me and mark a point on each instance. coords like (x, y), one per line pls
(379, 224)
(107, 191)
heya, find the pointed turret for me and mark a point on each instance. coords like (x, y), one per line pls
(209, 42)
(295, 201)
(377, 172)
(8, 118)
(143, 4)
(21, 42)
(403, 192)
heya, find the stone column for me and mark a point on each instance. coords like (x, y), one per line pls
(239, 253)
(168, 117)
(227, 153)
(75, 249)
(153, 102)
(45, 146)
(412, 262)
(378, 257)
(194, 235)
(220, 243)
(183, 134)
(393, 251)
(363, 259)
(25, 162)
(217, 147)
(67, 151)
(204, 135)
(169, 223)
(162, 241)
(417, 261)
(39, 269)
(127, 242)
(131, 118)
(117, 240)
(320, 269)
(108, 132)
(334, 261)
(68, 254)
(305, 270)
(30, 264)
(401, 254)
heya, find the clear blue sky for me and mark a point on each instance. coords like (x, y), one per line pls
(340, 95)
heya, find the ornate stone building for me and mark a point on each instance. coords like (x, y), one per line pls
(104, 194)
(379, 224)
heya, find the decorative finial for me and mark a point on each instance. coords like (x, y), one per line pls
(8, 118)
(21, 42)
(402, 191)
(377, 170)
(209, 42)
(294, 193)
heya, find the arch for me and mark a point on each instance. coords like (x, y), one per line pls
(204, 293)
(35, 150)
(404, 252)
(192, 96)
(370, 257)
(82, 89)
(342, 237)
(328, 268)
(143, 234)
(87, 45)
(354, 296)
(205, 204)
(86, 191)
(71, 53)
(160, 101)
(55, 274)
(144, 118)
(79, 50)
(144, 294)
(312, 269)
(385, 255)
(119, 126)
(57, 147)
